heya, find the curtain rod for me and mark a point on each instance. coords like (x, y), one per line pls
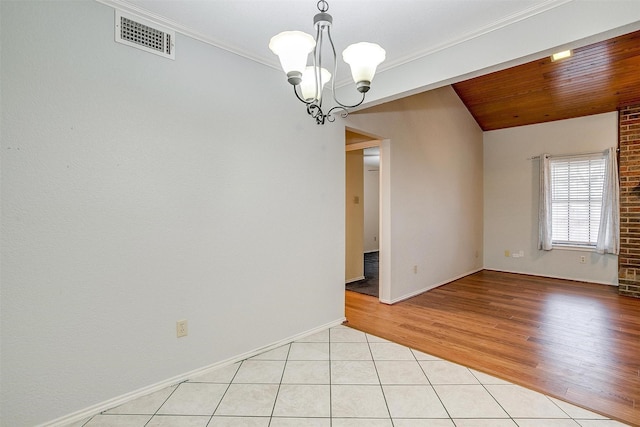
(573, 155)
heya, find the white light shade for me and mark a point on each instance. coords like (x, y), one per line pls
(308, 85)
(292, 47)
(363, 58)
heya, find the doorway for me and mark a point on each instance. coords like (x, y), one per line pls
(362, 213)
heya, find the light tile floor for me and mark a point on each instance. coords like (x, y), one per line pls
(346, 378)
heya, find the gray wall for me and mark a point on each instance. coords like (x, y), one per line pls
(137, 191)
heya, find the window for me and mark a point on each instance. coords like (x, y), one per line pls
(576, 199)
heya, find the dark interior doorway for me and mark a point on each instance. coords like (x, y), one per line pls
(370, 284)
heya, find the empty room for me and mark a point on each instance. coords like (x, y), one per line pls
(153, 273)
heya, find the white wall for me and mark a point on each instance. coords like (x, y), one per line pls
(511, 196)
(137, 191)
(371, 203)
(435, 188)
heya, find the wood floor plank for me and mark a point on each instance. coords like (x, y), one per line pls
(575, 341)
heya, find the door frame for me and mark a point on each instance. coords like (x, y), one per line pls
(384, 224)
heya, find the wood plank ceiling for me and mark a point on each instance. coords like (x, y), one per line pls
(598, 78)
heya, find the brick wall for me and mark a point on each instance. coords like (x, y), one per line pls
(629, 259)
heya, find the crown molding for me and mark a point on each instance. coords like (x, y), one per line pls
(512, 19)
(178, 28)
(489, 28)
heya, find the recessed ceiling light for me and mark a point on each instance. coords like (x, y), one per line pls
(561, 55)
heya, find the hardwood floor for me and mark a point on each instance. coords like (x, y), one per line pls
(575, 341)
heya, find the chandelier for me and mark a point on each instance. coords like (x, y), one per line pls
(293, 48)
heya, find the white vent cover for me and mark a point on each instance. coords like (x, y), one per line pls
(142, 34)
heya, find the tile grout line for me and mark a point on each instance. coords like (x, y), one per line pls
(330, 384)
(375, 366)
(493, 397)
(565, 412)
(275, 401)
(150, 415)
(165, 401)
(432, 387)
(225, 391)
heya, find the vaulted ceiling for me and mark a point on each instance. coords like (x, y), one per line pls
(597, 78)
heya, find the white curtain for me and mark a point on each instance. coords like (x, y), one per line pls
(609, 232)
(544, 205)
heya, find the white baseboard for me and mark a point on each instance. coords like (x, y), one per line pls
(354, 280)
(574, 279)
(119, 400)
(428, 288)
(413, 294)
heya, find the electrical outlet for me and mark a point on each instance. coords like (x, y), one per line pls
(415, 269)
(182, 328)
(507, 253)
(518, 254)
(583, 259)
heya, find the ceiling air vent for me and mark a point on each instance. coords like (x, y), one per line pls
(142, 34)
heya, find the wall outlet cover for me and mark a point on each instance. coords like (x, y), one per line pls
(182, 328)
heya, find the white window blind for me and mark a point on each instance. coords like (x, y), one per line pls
(576, 200)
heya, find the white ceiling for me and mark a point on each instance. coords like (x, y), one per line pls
(245, 26)
(409, 30)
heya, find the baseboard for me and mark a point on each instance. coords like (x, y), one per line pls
(573, 279)
(413, 294)
(354, 280)
(117, 401)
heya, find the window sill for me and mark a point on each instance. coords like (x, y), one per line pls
(577, 248)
